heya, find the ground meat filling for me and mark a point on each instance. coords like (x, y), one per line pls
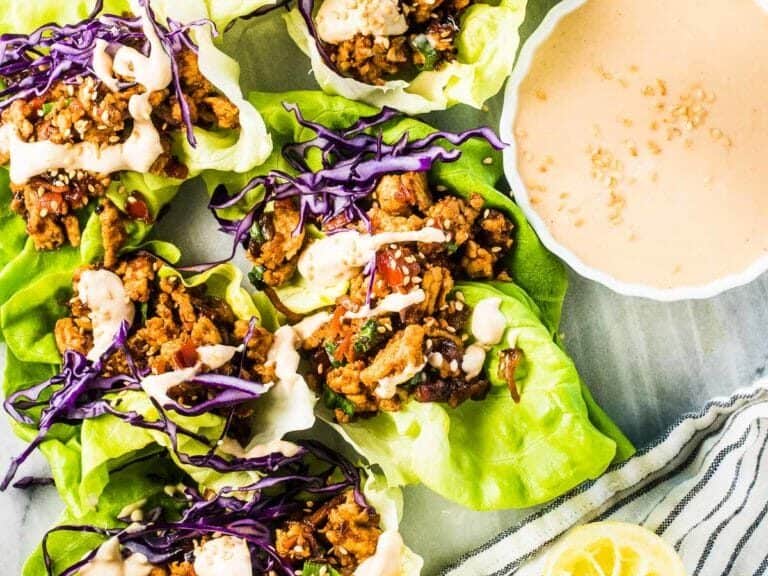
(339, 533)
(422, 347)
(90, 112)
(171, 322)
(430, 42)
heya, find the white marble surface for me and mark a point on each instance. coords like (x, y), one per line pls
(647, 363)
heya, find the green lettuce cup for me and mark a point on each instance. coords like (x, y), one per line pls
(75, 231)
(482, 55)
(403, 373)
(151, 517)
(187, 373)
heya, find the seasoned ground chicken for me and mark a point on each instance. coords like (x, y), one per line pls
(340, 533)
(419, 348)
(170, 323)
(276, 243)
(90, 112)
(429, 42)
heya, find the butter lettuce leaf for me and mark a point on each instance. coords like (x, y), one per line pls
(82, 458)
(496, 453)
(487, 454)
(140, 481)
(487, 47)
(217, 152)
(536, 270)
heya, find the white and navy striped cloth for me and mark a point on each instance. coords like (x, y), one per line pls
(703, 487)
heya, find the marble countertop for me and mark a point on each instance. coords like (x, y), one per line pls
(646, 362)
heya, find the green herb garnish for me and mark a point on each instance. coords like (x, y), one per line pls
(424, 47)
(330, 349)
(257, 233)
(336, 401)
(368, 337)
(256, 276)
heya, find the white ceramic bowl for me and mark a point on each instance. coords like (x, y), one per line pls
(520, 192)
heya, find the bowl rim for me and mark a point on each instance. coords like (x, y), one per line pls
(520, 192)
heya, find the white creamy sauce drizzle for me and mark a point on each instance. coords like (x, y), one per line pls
(395, 302)
(233, 447)
(488, 325)
(473, 360)
(387, 561)
(109, 562)
(436, 360)
(387, 387)
(336, 258)
(210, 357)
(283, 355)
(104, 294)
(340, 20)
(225, 555)
(311, 324)
(143, 146)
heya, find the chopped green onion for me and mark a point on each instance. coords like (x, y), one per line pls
(368, 337)
(257, 233)
(415, 381)
(337, 401)
(317, 569)
(424, 47)
(330, 349)
(256, 275)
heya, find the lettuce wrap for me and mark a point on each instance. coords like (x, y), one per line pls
(236, 150)
(486, 47)
(82, 456)
(159, 493)
(487, 454)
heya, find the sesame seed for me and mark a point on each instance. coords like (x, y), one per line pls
(454, 365)
(459, 306)
(488, 161)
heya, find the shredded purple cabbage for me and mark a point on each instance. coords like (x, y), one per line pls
(353, 163)
(306, 9)
(29, 482)
(79, 392)
(30, 64)
(270, 502)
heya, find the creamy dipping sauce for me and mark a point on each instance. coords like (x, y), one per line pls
(641, 133)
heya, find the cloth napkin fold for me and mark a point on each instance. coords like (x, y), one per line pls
(703, 487)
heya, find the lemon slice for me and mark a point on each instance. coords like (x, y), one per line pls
(613, 549)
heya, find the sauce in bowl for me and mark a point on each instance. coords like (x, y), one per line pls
(642, 138)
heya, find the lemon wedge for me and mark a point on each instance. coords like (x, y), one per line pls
(613, 549)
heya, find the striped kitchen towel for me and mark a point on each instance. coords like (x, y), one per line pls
(703, 487)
